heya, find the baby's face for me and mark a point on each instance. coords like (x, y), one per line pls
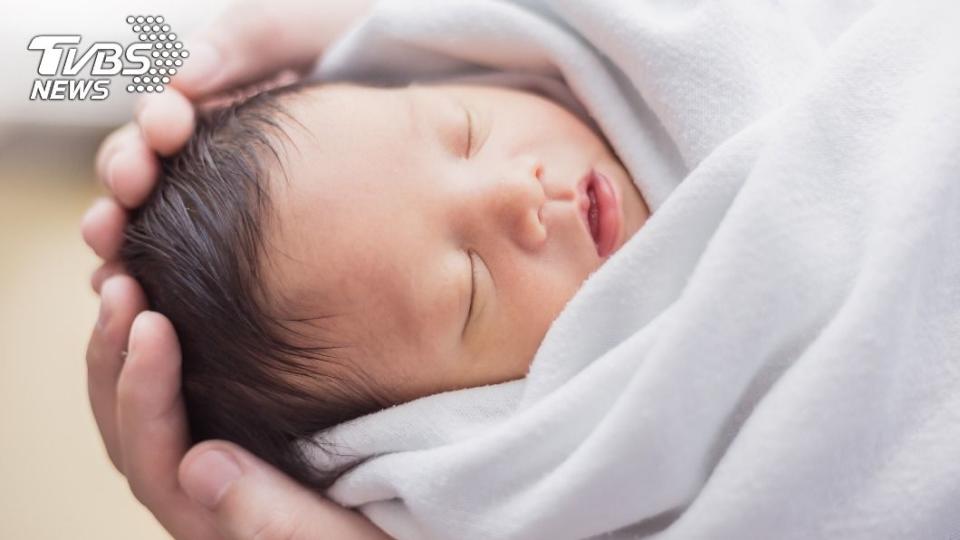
(435, 232)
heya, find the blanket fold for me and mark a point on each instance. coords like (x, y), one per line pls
(777, 352)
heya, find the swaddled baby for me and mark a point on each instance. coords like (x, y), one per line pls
(325, 251)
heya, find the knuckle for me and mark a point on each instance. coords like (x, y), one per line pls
(274, 522)
(96, 353)
(276, 526)
(116, 459)
(93, 350)
(140, 491)
(96, 280)
(98, 277)
(101, 353)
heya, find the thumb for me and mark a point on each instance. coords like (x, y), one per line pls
(250, 499)
(250, 42)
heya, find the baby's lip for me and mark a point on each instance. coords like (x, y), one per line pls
(596, 190)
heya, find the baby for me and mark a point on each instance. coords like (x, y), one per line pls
(325, 251)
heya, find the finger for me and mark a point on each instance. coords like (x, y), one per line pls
(132, 171)
(102, 227)
(166, 121)
(120, 301)
(106, 271)
(150, 413)
(152, 426)
(250, 499)
(254, 40)
(114, 141)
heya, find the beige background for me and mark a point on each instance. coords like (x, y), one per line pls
(57, 482)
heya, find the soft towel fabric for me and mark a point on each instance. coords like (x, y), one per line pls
(776, 354)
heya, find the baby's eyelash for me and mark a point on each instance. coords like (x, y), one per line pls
(469, 131)
(473, 292)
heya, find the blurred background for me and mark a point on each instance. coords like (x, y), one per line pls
(57, 479)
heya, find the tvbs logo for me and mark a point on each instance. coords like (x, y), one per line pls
(150, 62)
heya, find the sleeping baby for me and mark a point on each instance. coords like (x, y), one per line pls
(328, 250)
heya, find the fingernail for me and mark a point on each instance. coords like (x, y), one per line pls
(199, 68)
(209, 477)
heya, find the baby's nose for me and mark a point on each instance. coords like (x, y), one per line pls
(522, 203)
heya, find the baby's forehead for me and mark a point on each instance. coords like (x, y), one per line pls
(330, 138)
(332, 240)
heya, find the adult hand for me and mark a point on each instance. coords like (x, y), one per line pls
(216, 490)
(251, 42)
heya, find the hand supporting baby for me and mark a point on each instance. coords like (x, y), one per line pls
(215, 489)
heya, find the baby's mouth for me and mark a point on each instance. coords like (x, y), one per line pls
(600, 209)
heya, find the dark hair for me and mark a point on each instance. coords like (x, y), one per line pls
(197, 249)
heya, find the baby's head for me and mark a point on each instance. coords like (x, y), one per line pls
(325, 251)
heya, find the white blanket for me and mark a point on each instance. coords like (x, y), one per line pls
(776, 354)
